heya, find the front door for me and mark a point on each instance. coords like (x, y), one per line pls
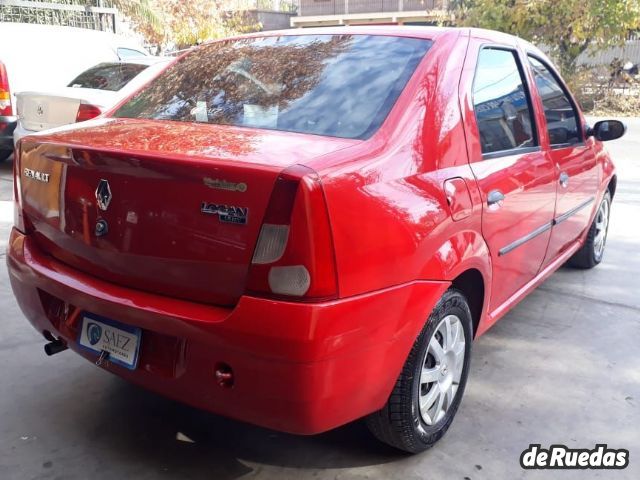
(575, 162)
(515, 177)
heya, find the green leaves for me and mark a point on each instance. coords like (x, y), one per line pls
(185, 23)
(566, 27)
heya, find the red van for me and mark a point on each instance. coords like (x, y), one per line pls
(303, 228)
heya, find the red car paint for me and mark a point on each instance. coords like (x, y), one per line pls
(397, 218)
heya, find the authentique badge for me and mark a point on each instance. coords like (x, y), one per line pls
(220, 184)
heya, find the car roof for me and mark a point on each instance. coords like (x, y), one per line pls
(144, 60)
(416, 31)
(17, 28)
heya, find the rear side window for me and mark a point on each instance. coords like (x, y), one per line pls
(501, 103)
(334, 85)
(107, 76)
(562, 117)
(124, 53)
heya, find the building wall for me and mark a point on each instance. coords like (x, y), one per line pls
(274, 20)
(339, 7)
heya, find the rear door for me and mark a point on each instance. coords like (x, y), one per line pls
(574, 161)
(515, 177)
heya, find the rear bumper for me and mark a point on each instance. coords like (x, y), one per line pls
(7, 126)
(300, 368)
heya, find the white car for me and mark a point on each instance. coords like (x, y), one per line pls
(41, 57)
(88, 95)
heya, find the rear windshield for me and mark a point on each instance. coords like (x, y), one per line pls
(334, 85)
(107, 76)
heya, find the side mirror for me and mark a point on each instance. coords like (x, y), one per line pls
(606, 130)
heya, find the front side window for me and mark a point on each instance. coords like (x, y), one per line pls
(501, 103)
(107, 76)
(562, 117)
(334, 85)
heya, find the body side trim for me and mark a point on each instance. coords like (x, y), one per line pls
(522, 240)
(540, 230)
(573, 211)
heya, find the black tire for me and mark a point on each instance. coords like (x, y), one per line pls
(588, 256)
(5, 154)
(399, 423)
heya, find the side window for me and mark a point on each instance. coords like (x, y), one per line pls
(124, 53)
(501, 103)
(562, 118)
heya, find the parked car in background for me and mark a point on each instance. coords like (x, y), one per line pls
(87, 96)
(41, 57)
(303, 228)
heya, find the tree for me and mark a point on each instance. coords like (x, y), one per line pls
(194, 22)
(147, 19)
(186, 23)
(567, 28)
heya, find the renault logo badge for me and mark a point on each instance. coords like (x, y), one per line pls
(103, 194)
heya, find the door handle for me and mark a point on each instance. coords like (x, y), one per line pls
(495, 198)
(564, 179)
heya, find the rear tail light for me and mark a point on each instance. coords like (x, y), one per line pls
(87, 111)
(18, 216)
(5, 93)
(294, 255)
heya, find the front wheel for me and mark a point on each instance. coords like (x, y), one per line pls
(429, 389)
(592, 251)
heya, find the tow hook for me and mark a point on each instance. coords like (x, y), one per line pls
(56, 346)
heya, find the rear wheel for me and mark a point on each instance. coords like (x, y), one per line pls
(429, 389)
(592, 251)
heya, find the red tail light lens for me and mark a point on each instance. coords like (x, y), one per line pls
(5, 93)
(87, 112)
(294, 255)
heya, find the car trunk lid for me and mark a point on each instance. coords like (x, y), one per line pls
(164, 207)
(39, 111)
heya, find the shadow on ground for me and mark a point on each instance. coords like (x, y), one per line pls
(141, 427)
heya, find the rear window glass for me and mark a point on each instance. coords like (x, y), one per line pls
(334, 85)
(107, 76)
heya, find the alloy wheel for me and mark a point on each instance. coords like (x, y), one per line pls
(602, 224)
(441, 369)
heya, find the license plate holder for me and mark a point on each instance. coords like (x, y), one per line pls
(119, 340)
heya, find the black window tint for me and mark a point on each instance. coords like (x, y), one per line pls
(335, 85)
(501, 103)
(107, 76)
(562, 118)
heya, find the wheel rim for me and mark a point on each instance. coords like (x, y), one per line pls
(441, 369)
(602, 223)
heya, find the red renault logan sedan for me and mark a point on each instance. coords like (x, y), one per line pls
(302, 228)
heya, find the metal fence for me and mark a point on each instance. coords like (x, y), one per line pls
(340, 7)
(91, 14)
(285, 6)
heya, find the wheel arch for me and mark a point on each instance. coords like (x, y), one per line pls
(613, 183)
(472, 285)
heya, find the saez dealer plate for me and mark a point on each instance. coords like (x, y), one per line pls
(121, 341)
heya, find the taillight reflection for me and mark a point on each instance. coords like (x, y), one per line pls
(87, 111)
(5, 93)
